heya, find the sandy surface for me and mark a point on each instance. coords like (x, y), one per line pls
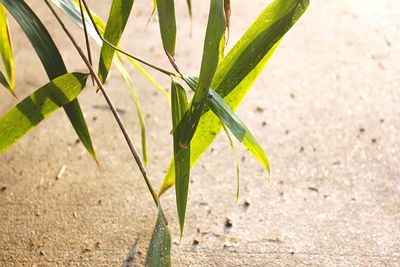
(326, 109)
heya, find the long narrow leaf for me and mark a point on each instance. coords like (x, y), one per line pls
(159, 251)
(189, 5)
(241, 67)
(237, 127)
(6, 51)
(214, 33)
(236, 162)
(52, 61)
(218, 106)
(179, 106)
(136, 101)
(117, 19)
(4, 82)
(39, 105)
(71, 9)
(167, 21)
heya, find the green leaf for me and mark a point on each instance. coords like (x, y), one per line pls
(167, 21)
(159, 251)
(179, 106)
(214, 33)
(38, 106)
(136, 101)
(240, 68)
(52, 61)
(117, 19)
(189, 5)
(71, 9)
(73, 12)
(229, 119)
(6, 52)
(236, 162)
(4, 82)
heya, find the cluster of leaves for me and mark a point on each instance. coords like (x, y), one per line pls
(219, 87)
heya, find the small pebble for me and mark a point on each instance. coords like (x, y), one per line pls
(228, 223)
(4, 187)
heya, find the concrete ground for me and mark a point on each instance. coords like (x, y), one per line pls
(326, 109)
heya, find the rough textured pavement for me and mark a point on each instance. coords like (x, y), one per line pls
(326, 109)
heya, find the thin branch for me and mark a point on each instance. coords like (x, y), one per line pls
(110, 104)
(178, 75)
(86, 37)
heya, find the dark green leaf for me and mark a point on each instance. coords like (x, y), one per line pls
(159, 251)
(240, 68)
(179, 106)
(4, 82)
(38, 106)
(117, 19)
(6, 52)
(189, 5)
(166, 18)
(214, 33)
(51, 59)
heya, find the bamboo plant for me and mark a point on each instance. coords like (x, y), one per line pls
(219, 86)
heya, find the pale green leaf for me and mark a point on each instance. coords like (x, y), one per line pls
(6, 51)
(236, 162)
(136, 101)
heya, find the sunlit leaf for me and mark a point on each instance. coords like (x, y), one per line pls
(214, 33)
(22, 118)
(52, 61)
(167, 21)
(117, 19)
(179, 106)
(159, 251)
(241, 67)
(236, 162)
(6, 52)
(229, 119)
(136, 101)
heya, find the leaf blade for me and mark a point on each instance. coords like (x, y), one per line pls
(167, 22)
(179, 106)
(135, 97)
(20, 119)
(6, 51)
(51, 60)
(233, 92)
(117, 19)
(5, 83)
(211, 52)
(159, 251)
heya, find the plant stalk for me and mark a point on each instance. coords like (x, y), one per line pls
(110, 104)
(178, 75)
